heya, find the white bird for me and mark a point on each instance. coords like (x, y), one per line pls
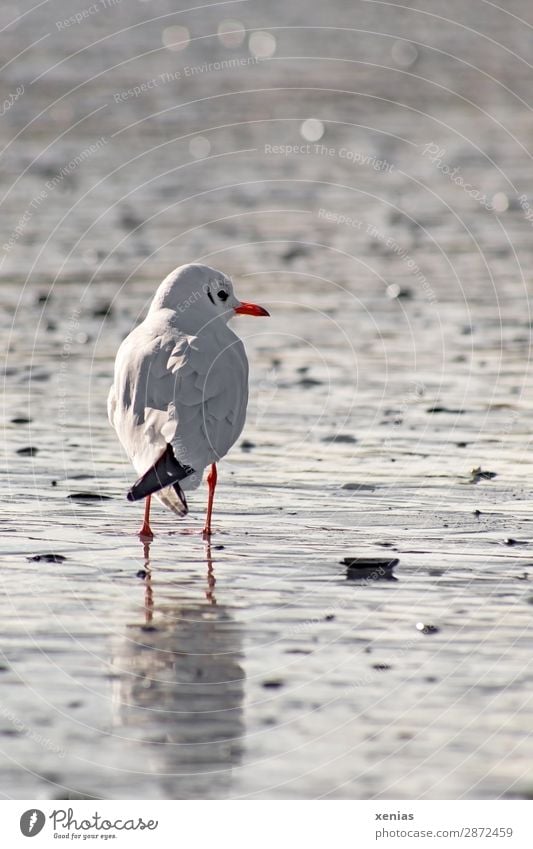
(180, 391)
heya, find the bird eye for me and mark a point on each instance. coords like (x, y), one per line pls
(222, 295)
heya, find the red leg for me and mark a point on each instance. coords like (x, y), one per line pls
(146, 532)
(211, 482)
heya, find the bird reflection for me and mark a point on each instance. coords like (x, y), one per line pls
(180, 689)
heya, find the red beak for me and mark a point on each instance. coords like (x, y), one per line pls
(250, 309)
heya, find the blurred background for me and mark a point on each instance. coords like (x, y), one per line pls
(363, 169)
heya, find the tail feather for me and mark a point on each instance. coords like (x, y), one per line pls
(166, 472)
(174, 499)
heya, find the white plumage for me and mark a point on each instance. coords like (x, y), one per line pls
(181, 377)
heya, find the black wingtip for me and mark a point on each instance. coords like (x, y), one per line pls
(166, 472)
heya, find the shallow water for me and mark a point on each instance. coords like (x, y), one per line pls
(255, 667)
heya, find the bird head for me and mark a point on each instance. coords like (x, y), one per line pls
(199, 295)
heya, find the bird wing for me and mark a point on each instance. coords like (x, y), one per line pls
(189, 391)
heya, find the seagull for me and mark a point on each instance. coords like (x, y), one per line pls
(180, 391)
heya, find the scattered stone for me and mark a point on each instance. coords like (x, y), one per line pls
(477, 474)
(47, 558)
(309, 382)
(294, 252)
(273, 684)
(53, 483)
(28, 451)
(346, 438)
(130, 221)
(427, 629)
(297, 651)
(359, 487)
(246, 445)
(394, 292)
(369, 568)
(20, 420)
(103, 310)
(477, 513)
(438, 409)
(381, 667)
(142, 573)
(462, 444)
(88, 496)
(329, 617)
(219, 547)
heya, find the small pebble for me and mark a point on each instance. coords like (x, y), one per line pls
(28, 451)
(371, 568)
(444, 410)
(294, 252)
(329, 617)
(346, 438)
(246, 445)
(20, 420)
(88, 496)
(103, 310)
(395, 291)
(308, 382)
(142, 573)
(48, 558)
(426, 629)
(272, 685)
(477, 474)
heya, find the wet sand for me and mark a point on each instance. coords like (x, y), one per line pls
(389, 417)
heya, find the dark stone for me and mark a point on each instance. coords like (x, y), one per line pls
(48, 558)
(28, 451)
